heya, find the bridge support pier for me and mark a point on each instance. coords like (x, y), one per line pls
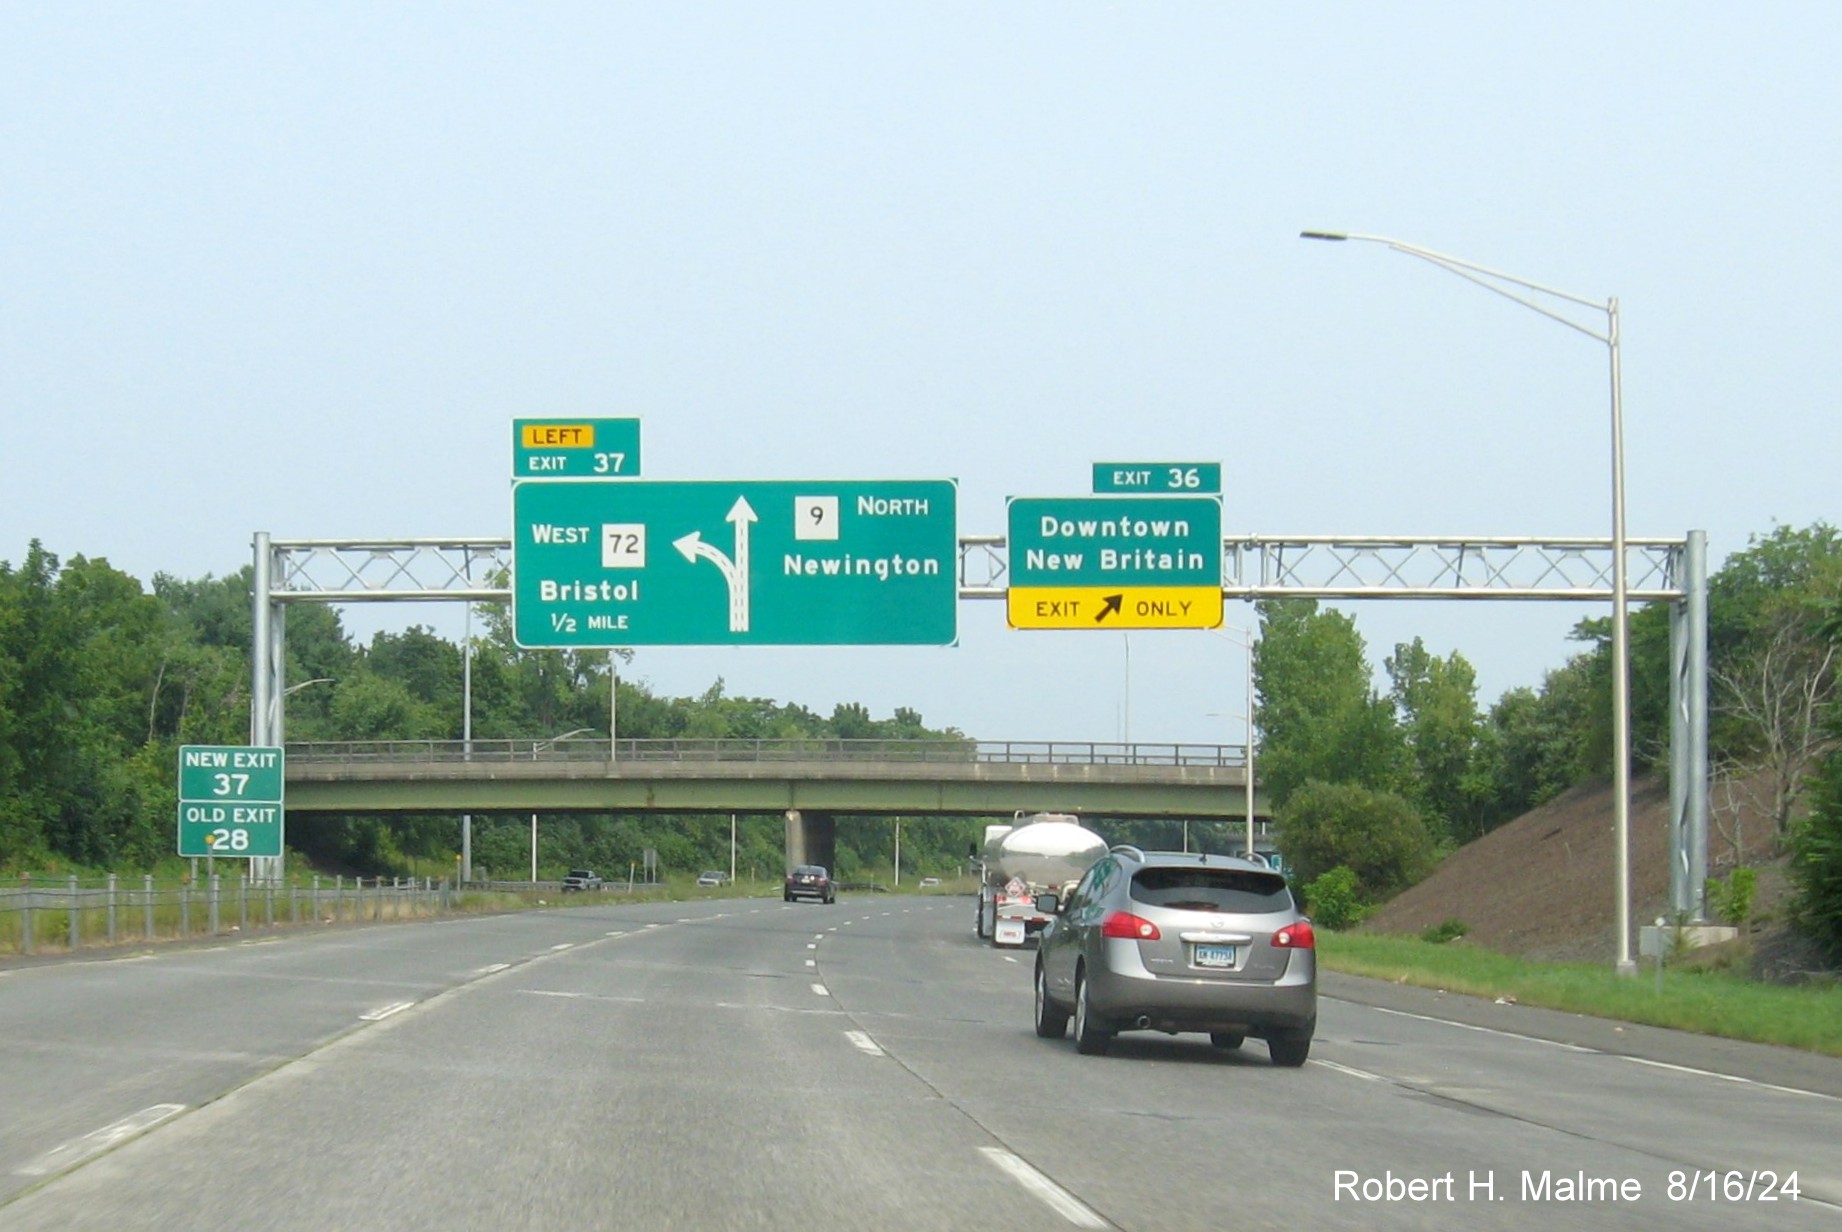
(812, 838)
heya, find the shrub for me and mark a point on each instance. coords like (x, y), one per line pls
(1731, 901)
(1444, 931)
(1331, 898)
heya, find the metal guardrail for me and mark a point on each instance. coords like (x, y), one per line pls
(70, 915)
(894, 752)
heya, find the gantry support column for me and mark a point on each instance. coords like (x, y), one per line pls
(1688, 733)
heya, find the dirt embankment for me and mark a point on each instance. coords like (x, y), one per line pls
(1544, 885)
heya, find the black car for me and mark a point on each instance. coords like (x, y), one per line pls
(581, 879)
(810, 881)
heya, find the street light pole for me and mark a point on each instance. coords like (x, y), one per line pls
(1493, 280)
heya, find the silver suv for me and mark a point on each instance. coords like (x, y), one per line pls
(1169, 941)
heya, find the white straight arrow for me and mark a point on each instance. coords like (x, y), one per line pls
(741, 514)
(735, 573)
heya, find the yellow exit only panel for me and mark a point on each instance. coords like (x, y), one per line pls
(1114, 607)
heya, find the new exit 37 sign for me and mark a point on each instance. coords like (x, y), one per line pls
(1105, 562)
(717, 563)
(230, 800)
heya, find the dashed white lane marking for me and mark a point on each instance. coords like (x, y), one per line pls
(1682, 1069)
(494, 969)
(565, 946)
(821, 990)
(384, 1011)
(811, 946)
(1009, 958)
(864, 1043)
(1363, 1074)
(812, 962)
(97, 1141)
(1058, 1199)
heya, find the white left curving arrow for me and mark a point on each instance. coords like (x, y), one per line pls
(735, 572)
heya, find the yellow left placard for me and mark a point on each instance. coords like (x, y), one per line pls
(558, 436)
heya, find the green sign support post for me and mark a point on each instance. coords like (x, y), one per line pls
(721, 563)
(230, 800)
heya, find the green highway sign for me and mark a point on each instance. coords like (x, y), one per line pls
(721, 563)
(575, 448)
(1115, 562)
(230, 800)
(1149, 478)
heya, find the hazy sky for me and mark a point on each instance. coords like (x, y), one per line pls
(295, 268)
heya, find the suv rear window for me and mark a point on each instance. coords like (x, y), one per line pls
(1244, 891)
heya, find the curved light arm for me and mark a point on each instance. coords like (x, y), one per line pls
(1482, 275)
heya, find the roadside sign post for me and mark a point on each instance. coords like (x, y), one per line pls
(230, 800)
(719, 563)
(1115, 562)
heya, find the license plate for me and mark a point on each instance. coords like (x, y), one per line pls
(1214, 956)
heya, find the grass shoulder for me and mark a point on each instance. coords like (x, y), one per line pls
(1691, 999)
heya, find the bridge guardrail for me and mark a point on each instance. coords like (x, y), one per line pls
(1001, 752)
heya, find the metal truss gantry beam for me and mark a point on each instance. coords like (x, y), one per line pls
(1474, 567)
(1253, 567)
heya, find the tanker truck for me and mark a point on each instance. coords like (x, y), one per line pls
(1035, 854)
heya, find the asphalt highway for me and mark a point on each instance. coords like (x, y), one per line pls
(746, 1063)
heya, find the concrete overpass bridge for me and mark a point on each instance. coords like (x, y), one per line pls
(810, 782)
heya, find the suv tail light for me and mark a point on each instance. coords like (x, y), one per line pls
(1130, 927)
(1296, 937)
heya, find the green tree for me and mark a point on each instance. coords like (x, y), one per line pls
(1816, 840)
(1448, 740)
(1319, 714)
(1376, 834)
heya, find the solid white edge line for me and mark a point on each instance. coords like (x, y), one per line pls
(1467, 1026)
(1683, 1069)
(864, 1043)
(385, 1011)
(1058, 1199)
(99, 1140)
